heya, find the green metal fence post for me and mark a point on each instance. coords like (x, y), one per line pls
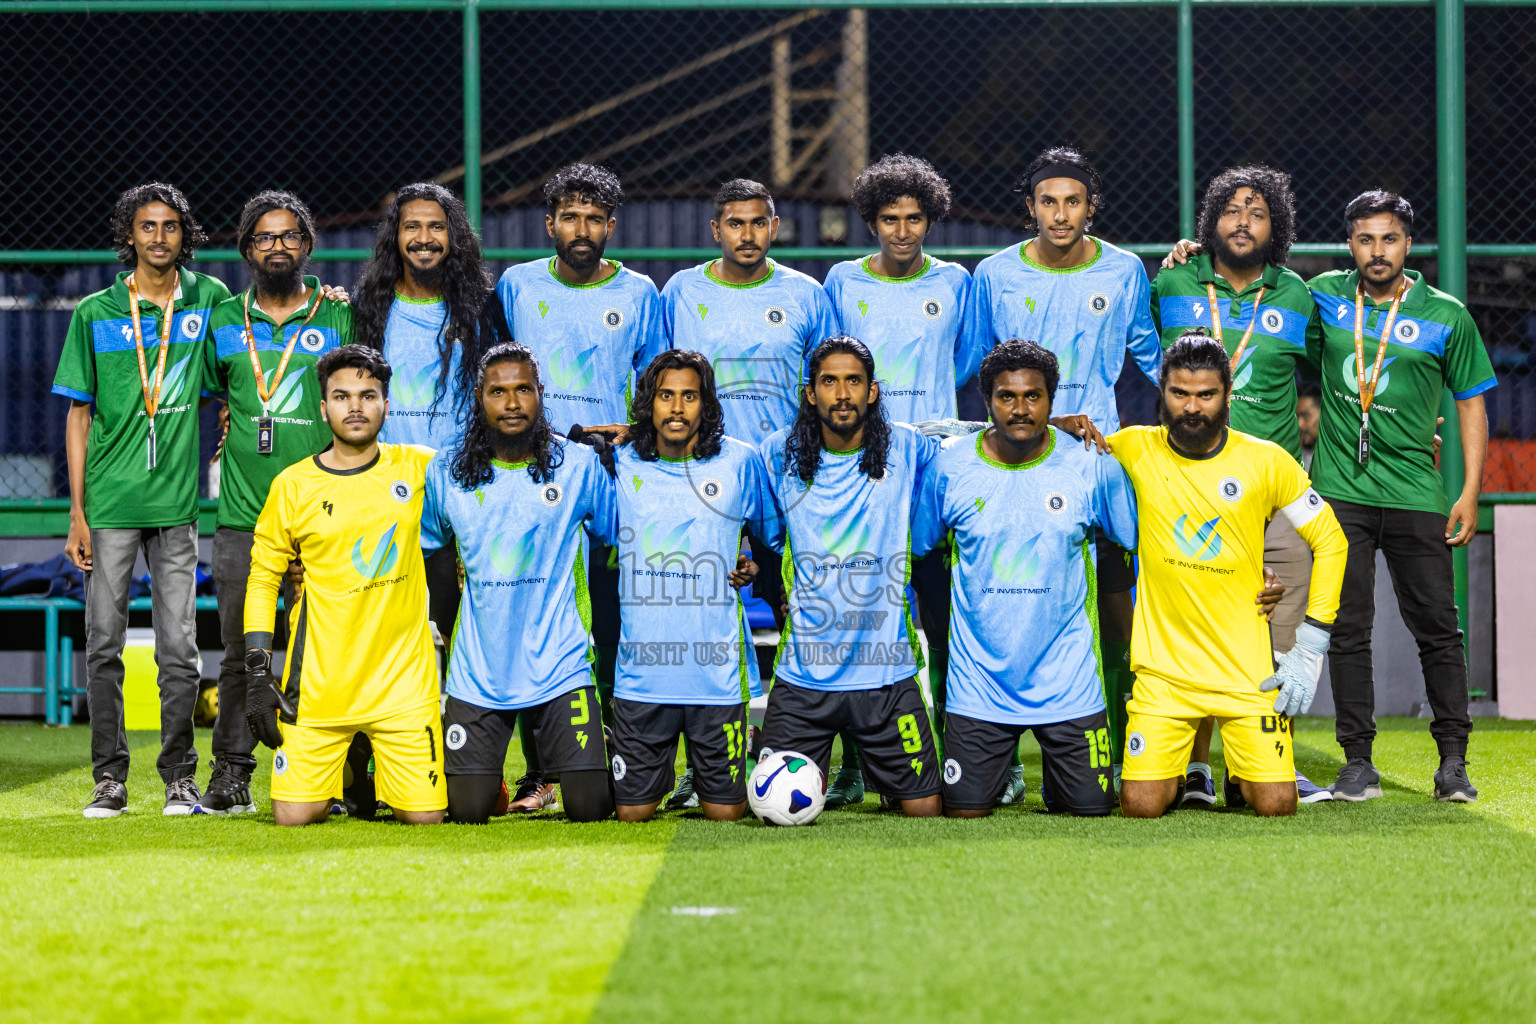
(472, 111)
(1450, 111)
(1186, 119)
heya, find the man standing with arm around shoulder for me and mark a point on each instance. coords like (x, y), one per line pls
(131, 367)
(1391, 345)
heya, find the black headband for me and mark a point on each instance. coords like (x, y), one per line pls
(1072, 171)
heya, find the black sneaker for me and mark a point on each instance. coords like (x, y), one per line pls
(229, 792)
(1358, 780)
(1199, 791)
(1451, 782)
(108, 799)
(181, 796)
(1232, 792)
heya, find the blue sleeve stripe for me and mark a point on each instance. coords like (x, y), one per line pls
(212, 394)
(1472, 392)
(80, 396)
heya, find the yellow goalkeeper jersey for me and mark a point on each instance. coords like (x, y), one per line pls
(1201, 544)
(360, 648)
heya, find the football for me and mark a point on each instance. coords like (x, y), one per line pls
(787, 788)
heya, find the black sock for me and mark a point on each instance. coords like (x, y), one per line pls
(587, 795)
(471, 798)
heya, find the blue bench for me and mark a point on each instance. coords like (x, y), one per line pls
(58, 687)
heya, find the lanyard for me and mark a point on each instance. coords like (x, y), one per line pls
(1366, 384)
(151, 401)
(262, 390)
(1237, 357)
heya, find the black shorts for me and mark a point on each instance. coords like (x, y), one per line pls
(890, 725)
(1117, 574)
(1076, 756)
(645, 749)
(567, 733)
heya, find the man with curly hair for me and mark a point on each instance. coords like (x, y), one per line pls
(515, 499)
(686, 662)
(1235, 285)
(132, 370)
(592, 323)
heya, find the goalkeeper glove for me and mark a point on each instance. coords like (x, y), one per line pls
(1297, 673)
(262, 699)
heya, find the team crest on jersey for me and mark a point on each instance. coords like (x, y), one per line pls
(1231, 489)
(775, 316)
(192, 326)
(1314, 500)
(1056, 503)
(401, 491)
(312, 339)
(1273, 321)
(280, 763)
(1405, 332)
(620, 769)
(1098, 303)
(1135, 743)
(933, 309)
(551, 494)
(454, 738)
(885, 475)
(613, 318)
(952, 771)
(710, 488)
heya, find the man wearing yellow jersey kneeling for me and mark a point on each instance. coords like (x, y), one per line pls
(1205, 493)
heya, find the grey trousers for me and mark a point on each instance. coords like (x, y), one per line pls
(171, 553)
(233, 743)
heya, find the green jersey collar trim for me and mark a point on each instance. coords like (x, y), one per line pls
(1205, 273)
(842, 451)
(1098, 252)
(511, 465)
(419, 302)
(1050, 446)
(615, 264)
(709, 272)
(312, 283)
(676, 462)
(869, 269)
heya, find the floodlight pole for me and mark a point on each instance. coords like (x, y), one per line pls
(472, 111)
(1186, 89)
(1451, 229)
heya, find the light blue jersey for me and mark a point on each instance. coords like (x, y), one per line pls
(915, 327)
(683, 635)
(757, 336)
(846, 541)
(1023, 635)
(411, 349)
(521, 639)
(1088, 315)
(589, 339)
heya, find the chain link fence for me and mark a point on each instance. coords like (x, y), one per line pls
(343, 106)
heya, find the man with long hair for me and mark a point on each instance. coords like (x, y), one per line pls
(515, 500)
(845, 481)
(132, 369)
(686, 662)
(261, 358)
(1019, 504)
(1235, 285)
(1204, 494)
(360, 656)
(592, 323)
(1088, 302)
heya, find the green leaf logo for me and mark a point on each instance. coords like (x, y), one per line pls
(1204, 545)
(383, 559)
(1018, 566)
(512, 555)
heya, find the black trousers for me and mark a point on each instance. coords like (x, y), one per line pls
(1420, 565)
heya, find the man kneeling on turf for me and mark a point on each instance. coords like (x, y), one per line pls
(686, 662)
(360, 655)
(516, 497)
(1204, 494)
(1020, 503)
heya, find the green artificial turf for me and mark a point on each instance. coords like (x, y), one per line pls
(1400, 909)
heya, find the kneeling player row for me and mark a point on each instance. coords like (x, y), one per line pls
(843, 499)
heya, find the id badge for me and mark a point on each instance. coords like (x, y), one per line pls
(150, 446)
(264, 438)
(1363, 452)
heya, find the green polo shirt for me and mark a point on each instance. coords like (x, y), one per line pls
(1264, 384)
(99, 365)
(299, 430)
(1434, 346)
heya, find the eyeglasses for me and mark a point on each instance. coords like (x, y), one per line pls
(266, 240)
